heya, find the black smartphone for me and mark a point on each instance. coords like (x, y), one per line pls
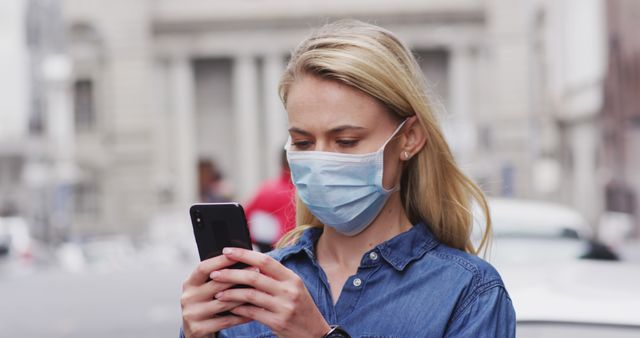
(217, 226)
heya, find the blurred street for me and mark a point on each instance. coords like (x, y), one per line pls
(118, 115)
(135, 301)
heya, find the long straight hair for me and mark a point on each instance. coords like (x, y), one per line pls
(369, 58)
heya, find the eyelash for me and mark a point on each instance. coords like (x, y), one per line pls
(347, 143)
(303, 145)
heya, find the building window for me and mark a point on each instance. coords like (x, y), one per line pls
(84, 105)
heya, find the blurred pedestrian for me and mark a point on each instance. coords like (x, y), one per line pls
(382, 247)
(212, 188)
(271, 211)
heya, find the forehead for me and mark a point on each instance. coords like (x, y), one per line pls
(317, 103)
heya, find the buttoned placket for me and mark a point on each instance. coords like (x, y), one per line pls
(356, 284)
(323, 295)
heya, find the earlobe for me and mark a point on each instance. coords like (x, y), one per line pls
(415, 139)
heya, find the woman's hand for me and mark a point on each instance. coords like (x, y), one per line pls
(277, 299)
(199, 308)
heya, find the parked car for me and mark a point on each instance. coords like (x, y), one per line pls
(15, 238)
(575, 299)
(527, 231)
(540, 249)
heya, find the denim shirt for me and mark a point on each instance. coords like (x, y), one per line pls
(408, 286)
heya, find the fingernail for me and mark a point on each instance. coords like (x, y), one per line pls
(227, 251)
(219, 295)
(214, 274)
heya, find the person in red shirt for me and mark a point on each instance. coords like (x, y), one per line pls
(271, 212)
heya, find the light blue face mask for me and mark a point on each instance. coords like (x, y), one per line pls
(344, 191)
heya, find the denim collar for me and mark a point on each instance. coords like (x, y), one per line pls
(398, 251)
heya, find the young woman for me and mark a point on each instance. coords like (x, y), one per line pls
(382, 247)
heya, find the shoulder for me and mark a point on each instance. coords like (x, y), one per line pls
(479, 272)
(473, 275)
(273, 185)
(282, 254)
(305, 244)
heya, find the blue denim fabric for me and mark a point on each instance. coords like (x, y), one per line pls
(409, 286)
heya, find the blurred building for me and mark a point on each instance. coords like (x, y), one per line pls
(156, 85)
(620, 119)
(37, 168)
(13, 108)
(161, 84)
(568, 67)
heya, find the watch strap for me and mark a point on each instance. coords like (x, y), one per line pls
(336, 332)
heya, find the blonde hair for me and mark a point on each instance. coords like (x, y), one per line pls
(367, 57)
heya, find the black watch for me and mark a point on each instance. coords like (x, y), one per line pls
(336, 332)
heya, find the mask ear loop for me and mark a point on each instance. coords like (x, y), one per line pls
(287, 144)
(397, 186)
(394, 134)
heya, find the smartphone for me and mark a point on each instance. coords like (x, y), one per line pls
(217, 226)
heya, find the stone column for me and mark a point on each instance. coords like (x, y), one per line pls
(60, 135)
(182, 112)
(461, 125)
(249, 167)
(275, 115)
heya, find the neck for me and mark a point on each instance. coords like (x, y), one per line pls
(346, 251)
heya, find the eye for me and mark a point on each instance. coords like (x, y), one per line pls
(301, 144)
(347, 143)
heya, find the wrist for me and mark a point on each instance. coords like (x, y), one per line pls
(322, 331)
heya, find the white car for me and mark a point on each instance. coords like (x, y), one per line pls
(520, 217)
(15, 239)
(536, 232)
(575, 299)
(537, 248)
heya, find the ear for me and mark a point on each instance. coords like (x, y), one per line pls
(415, 138)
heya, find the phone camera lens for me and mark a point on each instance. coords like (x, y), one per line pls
(198, 216)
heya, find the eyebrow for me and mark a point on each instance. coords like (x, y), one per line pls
(331, 131)
(299, 131)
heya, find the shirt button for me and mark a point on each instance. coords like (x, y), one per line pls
(357, 282)
(373, 255)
